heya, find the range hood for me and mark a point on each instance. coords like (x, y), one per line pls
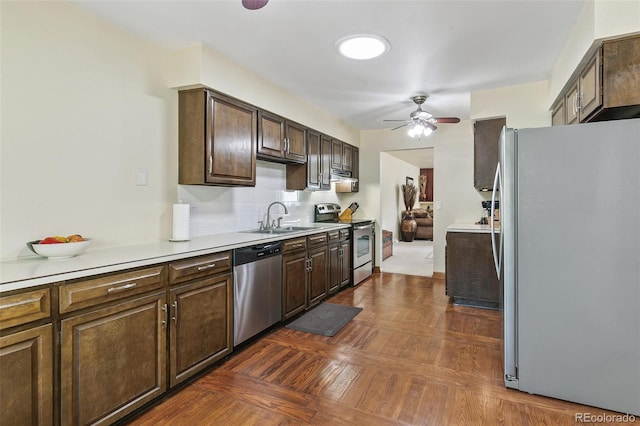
(341, 176)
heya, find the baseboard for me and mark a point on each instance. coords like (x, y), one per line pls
(376, 269)
(439, 275)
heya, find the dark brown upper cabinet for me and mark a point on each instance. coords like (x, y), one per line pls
(216, 139)
(341, 156)
(280, 139)
(605, 85)
(316, 173)
(486, 134)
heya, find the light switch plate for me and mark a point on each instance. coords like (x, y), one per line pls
(141, 177)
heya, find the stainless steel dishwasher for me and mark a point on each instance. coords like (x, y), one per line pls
(257, 289)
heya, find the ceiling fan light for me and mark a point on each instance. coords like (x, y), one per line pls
(362, 46)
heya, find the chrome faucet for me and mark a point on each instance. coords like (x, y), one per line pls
(270, 224)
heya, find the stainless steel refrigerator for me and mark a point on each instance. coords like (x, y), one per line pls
(568, 252)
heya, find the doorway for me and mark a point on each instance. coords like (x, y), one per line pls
(411, 258)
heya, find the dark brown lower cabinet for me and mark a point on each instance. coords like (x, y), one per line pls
(294, 280)
(305, 273)
(318, 269)
(470, 273)
(113, 360)
(26, 375)
(201, 325)
(335, 273)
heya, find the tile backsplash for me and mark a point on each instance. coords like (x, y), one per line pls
(218, 209)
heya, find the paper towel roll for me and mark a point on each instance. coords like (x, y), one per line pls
(181, 222)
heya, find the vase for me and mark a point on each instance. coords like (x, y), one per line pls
(408, 227)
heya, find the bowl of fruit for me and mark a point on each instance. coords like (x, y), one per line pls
(59, 247)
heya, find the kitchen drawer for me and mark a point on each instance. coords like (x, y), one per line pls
(95, 291)
(333, 235)
(317, 239)
(294, 245)
(24, 307)
(344, 234)
(197, 267)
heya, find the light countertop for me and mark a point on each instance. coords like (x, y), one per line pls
(470, 227)
(34, 270)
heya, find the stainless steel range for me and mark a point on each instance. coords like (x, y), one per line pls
(362, 238)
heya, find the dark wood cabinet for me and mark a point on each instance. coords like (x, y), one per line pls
(345, 262)
(316, 173)
(26, 358)
(334, 278)
(294, 281)
(305, 272)
(26, 377)
(486, 135)
(113, 360)
(216, 139)
(558, 116)
(201, 325)
(339, 252)
(280, 139)
(604, 87)
(355, 169)
(318, 269)
(470, 273)
(341, 155)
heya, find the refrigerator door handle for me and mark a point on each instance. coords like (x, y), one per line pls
(497, 252)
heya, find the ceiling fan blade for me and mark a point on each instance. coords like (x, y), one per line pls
(406, 124)
(406, 121)
(447, 119)
(254, 4)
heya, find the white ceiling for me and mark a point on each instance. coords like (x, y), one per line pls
(443, 48)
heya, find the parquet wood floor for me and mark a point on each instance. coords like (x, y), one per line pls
(409, 358)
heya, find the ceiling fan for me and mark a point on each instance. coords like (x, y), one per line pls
(422, 122)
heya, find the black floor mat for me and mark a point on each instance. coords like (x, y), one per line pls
(326, 319)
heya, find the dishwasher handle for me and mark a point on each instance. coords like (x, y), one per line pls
(257, 252)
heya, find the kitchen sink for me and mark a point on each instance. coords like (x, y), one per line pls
(282, 230)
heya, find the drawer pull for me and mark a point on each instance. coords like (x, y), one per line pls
(121, 288)
(175, 311)
(209, 266)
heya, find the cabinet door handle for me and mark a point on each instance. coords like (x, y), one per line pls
(209, 266)
(174, 305)
(210, 164)
(164, 315)
(121, 288)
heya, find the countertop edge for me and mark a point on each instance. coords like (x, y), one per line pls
(95, 262)
(470, 227)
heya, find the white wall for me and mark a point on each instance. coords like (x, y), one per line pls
(524, 105)
(85, 103)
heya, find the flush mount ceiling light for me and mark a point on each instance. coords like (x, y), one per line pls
(362, 46)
